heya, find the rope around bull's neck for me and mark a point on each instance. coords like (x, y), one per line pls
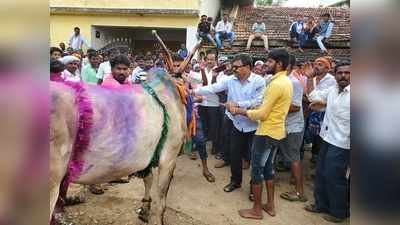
(164, 132)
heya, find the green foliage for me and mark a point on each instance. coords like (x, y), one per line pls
(264, 2)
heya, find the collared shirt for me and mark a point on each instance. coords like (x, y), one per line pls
(335, 128)
(223, 27)
(211, 99)
(324, 84)
(89, 75)
(76, 42)
(104, 70)
(295, 120)
(326, 29)
(271, 114)
(247, 95)
(258, 27)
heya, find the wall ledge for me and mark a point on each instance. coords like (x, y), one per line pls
(122, 11)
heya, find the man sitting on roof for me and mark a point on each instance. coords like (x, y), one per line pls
(204, 29)
(259, 31)
(296, 31)
(224, 31)
(325, 30)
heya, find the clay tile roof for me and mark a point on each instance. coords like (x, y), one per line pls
(311, 54)
(279, 19)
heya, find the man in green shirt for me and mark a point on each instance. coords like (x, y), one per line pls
(89, 71)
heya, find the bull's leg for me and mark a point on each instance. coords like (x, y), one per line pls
(166, 171)
(54, 192)
(144, 210)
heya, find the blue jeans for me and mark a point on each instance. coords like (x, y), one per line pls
(199, 140)
(207, 36)
(263, 152)
(331, 190)
(230, 36)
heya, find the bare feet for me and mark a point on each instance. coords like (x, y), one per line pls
(193, 156)
(251, 214)
(209, 176)
(270, 209)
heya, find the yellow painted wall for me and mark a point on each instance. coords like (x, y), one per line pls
(155, 4)
(61, 26)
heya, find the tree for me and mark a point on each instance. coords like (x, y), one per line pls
(269, 2)
(264, 2)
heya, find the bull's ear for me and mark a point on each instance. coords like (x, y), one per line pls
(185, 63)
(165, 52)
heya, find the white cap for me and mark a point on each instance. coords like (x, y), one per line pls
(258, 62)
(68, 59)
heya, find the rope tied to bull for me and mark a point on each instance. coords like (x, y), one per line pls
(164, 132)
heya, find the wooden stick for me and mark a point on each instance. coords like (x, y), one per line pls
(186, 62)
(165, 52)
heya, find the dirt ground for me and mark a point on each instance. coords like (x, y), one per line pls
(192, 200)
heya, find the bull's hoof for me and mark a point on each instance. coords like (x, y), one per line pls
(74, 200)
(143, 214)
(96, 189)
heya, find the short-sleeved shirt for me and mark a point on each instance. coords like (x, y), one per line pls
(258, 27)
(295, 120)
(104, 70)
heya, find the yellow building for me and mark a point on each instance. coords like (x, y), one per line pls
(103, 22)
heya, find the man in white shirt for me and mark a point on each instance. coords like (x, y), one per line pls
(105, 67)
(76, 41)
(209, 108)
(319, 79)
(331, 190)
(224, 31)
(103, 72)
(71, 72)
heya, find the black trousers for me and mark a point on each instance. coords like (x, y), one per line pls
(240, 144)
(227, 126)
(219, 145)
(316, 145)
(211, 120)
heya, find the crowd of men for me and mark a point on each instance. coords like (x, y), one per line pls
(301, 31)
(251, 112)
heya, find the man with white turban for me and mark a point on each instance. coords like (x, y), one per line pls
(71, 72)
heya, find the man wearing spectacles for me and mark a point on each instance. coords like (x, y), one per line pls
(244, 90)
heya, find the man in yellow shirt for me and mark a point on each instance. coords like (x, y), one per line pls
(271, 116)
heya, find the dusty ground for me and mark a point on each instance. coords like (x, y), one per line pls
(192, 201)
